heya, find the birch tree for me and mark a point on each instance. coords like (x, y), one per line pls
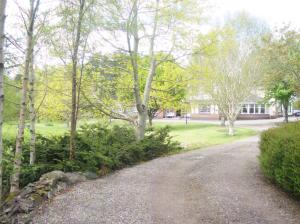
(159, 25)
(141, 103)
(69, 41)
(30, 26)
(74, 77)
(231, 82)
(229, 70)
(32, 111)
(2, 38)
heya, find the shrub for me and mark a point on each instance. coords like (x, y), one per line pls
(280, 156)
(98, 147)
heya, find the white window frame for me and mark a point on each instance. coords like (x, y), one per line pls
(256, 106)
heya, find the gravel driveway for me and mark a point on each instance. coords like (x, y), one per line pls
(220, 184)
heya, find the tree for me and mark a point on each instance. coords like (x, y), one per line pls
(54, 84)
(231, 83)
(74, 77)
(228, 72)
(34, 6)
(169, 89)
(228, 69)
(279, 56)
(32, 111)
(2, 37)
(133, 32)
(12, 98)
(68, 40)
(283, 92)
(143, 23)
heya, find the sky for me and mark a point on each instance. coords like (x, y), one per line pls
(274, 12)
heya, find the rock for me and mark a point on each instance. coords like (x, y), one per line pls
(54, 176)
(75, 178)
(90, 175)
(21, 207)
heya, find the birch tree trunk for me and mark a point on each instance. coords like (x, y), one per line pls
(32, 112)
(2, 37)
(231, 127)
(15, 179)
(74, 79)
(223, 121)
(142, 105)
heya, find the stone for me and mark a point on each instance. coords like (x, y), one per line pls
(75, 178)
(90, 175)
(21, 207)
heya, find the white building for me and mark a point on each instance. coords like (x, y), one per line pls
(253, 108)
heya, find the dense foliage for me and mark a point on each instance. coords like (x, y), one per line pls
(100, 149)
(280, 156)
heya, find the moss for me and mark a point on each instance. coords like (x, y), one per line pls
(10, 197)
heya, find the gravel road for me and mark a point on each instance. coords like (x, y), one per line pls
(218, 185)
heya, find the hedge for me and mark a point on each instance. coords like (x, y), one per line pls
(99, 149)
(280, 156)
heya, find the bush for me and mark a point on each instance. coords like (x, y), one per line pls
(98, 147)
(280, 156)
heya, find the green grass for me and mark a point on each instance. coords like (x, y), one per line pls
(197, 135)
(192, 136)
(9, 130)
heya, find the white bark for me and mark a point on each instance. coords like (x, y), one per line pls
(141, 104)
(2, 37)
(32, 112)
(222, 121)
(231, 83)
(15, 179)
(231, 131)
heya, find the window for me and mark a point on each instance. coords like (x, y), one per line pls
(245, 108)
(204, 109)
(251, 109)
(257, 107)
(262, 109)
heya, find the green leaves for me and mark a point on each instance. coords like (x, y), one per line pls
(280, 156)
(282, 91)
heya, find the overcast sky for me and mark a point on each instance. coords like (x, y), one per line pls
(274, 12)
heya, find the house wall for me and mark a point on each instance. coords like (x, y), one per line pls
(270, 112)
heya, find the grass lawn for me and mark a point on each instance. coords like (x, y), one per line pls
(191, 136)
(199, 135)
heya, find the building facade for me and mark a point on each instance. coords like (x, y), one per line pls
(253, 108)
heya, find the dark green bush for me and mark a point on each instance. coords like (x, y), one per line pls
(280, 156)
(97, 147)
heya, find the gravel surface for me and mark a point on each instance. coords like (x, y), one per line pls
(220, 184)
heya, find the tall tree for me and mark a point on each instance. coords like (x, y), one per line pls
(144, 24)
(279, 56)
(132, 32)
(68, 41)
(2, 38)
(30, 25)
(228, 69)
(228, 73)
(78, 30)
(281, 91)
(169, 89)
(32, 111)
